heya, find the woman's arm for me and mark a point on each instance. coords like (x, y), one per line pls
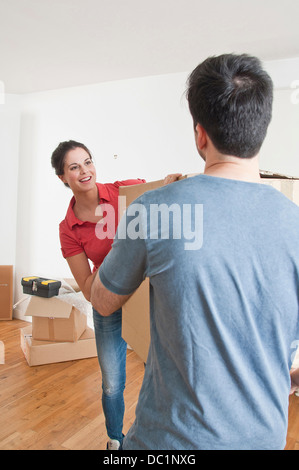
(80, 268)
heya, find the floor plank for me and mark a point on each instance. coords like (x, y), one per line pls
(58, 406)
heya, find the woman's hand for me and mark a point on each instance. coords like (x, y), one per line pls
(294, 380)
(171, 178)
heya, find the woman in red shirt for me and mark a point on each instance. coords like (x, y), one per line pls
(80, 243)
(73, 164)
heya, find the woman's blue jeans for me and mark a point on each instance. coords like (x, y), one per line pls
(112, 353)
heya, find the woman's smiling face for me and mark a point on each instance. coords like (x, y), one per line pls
(79, 170)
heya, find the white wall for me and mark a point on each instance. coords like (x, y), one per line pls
(280, 152)
(146, 123)
(9, 155)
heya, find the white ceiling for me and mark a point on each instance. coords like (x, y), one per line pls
(49, 44)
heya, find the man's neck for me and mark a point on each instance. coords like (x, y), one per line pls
(243, 169)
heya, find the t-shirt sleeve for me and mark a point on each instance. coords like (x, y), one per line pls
(69, 245)
(129, 182)
(124, 268)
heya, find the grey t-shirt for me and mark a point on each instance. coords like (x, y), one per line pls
(224, 291)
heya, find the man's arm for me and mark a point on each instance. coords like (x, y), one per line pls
(103, 300)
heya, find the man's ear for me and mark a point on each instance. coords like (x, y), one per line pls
(200, 137)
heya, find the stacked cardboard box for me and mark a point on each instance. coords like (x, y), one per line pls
(47, 352)
(59, 330)
(6, 292)
(136, 312)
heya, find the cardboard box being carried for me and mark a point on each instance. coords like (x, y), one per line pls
(46, 352)
(136, 312)
(56, 319)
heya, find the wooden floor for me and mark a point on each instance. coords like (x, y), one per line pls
(55, 406)
(58, 406)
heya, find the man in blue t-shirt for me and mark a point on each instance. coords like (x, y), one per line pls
(221, 252)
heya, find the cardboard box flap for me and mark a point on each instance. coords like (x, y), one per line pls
(48, 308)
(269, 174)
(263, 174)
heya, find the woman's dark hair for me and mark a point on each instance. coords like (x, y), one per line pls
(59, 154)
(231, 97)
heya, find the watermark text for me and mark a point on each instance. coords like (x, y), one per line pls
(154, 221)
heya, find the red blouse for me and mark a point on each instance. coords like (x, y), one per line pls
(77, 236)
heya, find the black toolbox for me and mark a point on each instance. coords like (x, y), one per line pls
(40, 286)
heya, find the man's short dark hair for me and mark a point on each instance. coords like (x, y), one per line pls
(231, 97)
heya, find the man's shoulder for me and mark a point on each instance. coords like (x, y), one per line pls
(170, 192)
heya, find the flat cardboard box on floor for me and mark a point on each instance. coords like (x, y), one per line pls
(6, 292)
(136, 312)
(45, 352)
(55, 319)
